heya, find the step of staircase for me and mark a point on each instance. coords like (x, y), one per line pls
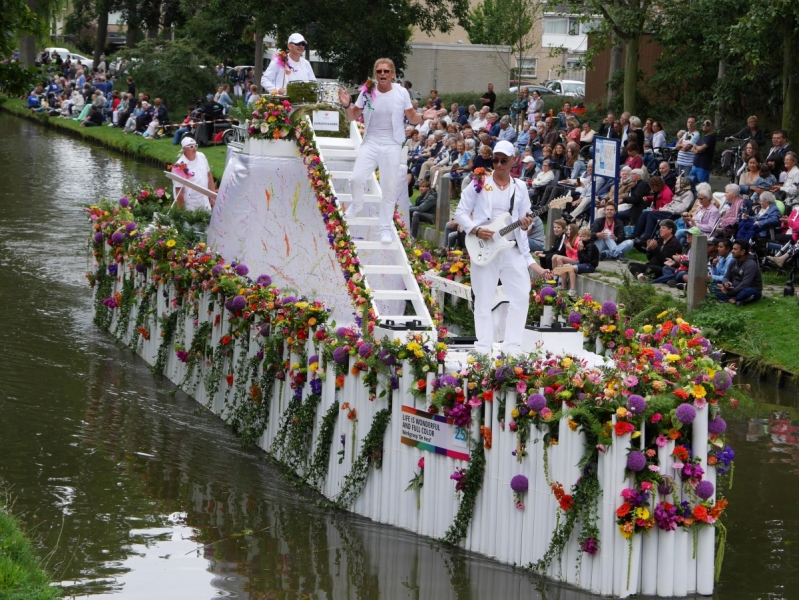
(373, 198)
(394, 294)
(341, 143)
(338, 154)
(363, 221)
(370, 245)
(340, 174)
(386, 269)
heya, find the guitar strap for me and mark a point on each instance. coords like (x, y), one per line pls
(512, 200)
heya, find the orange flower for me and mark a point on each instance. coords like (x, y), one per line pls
(700, 513)
(716, 511)
(145, 333)
(681, 394)
(421, 385)
(681, 453)
(340, 381)
(255, 394)
(712, 460)
(674, 434)
(623, 510)
(486, 433)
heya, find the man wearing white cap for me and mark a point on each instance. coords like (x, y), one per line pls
(288, 67)
(195, 168)
(480, 204)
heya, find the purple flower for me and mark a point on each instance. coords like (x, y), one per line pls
(316, 386)
(112, 269)
(217, 270)
(98, 237)
(722, 381)
(342, 332)
(182, 355)
(141, 268)
(394, 382)
(575, 318)
(341, 355)
(500, 374)
(589, 546)
(704, 489)
(686, 414)
(239, 303)
(124, 202)
(289, 300)
(426, 256)
(366, 350)
(717, 426)
(609, 308)
(242, 270)
(636, 404)
(265, 330)
(460, 479)
(658, 356)
(667, 487)
(461, 415)
(446, 266)
(548, 292)
(386, 357)
(449, 380)
(536, 402)
(314, 358)
(130, 226)
(669, 349)
(264, 280)
(118, 237)
(666, 517)
(519, 484)
(110, 302)
(636, 461)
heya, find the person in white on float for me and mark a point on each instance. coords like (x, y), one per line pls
(499, 195)
(196, 164)
(383, 113)
(277, 76)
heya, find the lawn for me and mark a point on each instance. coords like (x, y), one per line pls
(21, 577)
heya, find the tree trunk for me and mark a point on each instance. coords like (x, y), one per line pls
(259, 54)
(616, 51)
(721, 103)
(27, 43)
(132, 35)
(631, 47)
(102, 31)
(790, 77)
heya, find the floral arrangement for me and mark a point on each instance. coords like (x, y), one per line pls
(180, 169)
(544, 293)
(369, 90)
(270, 120)
(519, 484)
(455, 266)
(479, 178)
(282, 60)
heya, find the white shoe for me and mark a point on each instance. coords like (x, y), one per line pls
(353, 211)
(385, 237)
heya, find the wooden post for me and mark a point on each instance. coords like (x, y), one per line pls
(697, 272)
(553, 215)
(442, 208)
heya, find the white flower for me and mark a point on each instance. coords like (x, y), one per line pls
(264, 127)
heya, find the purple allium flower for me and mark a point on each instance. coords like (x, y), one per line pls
(589, 546)
(98, 237)
(636, 461)
(536, 402)
(548, 291)
(229, 305)
(242, 270)
(289, 299)
(426, 256)
(575, 318)
(446, 266)
(609, 308)
(130, 226)
(449, 380)
(341, 355)
(124, 202)
(239, 303)
(118, 237)
(386, 357)
(519, 484)
(722, 381)
(314, 358)
(667, 487)
(636, 404)
(366, 350)
(141, 268)
(113, 269)
(264, 280)
(217, 270)
(704, 489)
(717, 426)
(686, 414)
(500, 374)
(265, 330)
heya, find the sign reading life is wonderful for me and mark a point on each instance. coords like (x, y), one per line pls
(434, 433)
(325, 120)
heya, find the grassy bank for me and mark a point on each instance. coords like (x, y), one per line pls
(156, 152)
(21, 576)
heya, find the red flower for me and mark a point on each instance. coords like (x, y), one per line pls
(421, 385)
(681, 394)
(623, 510)
(700, 513)
(623, 427)
(566, 503)
(681, 453)
(488, 395)
(229, 379)
(225, 340)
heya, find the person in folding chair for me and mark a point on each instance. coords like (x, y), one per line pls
(483, 201)
(384, 106)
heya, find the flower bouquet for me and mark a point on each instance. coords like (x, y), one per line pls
(455, 267)
(270, 120)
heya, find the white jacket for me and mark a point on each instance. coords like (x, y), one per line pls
(276, 78)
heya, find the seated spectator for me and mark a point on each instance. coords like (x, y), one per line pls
(462, 166)
(481, 121)
(768, 217)
(33, 101)
(721, 264)
(506, 132)
(523, 140)
(607, 194)
(750, 173)
(658, 135)
(587, 135)
(743, 282)
(558, 156)
(144, 118)
(582, 193)
(570, 248)
(675, 269)
(528, 169)
(790, 186)
(536, 236)
(541, 180)
(657, 251)
(185, 127)
(704, 215)
(212, 109)
(558, 246)
(632, 205)
(732, 210)
(160, 112)
(546, 154)
(484, 159)
(608, 234)
(650, 161)
(587, 262)
(634, 160)
(252, 96)
(95, 118)
(424, 209)
(573, 130)
(679, 204)
(454, 235)
(661, 194)
(763, 183)
(564, 115)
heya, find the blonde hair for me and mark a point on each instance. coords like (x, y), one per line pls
(386, 61)
(584, 231)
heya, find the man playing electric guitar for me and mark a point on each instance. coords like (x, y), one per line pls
(485, 199)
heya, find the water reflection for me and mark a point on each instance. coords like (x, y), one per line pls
(135, 492)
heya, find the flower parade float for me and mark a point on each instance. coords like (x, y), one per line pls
(606, 473)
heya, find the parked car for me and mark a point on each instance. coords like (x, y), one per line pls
(544, 91)
(567, 87)
(62, 52)
(86, 62)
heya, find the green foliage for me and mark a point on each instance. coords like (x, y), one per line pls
(297, 447)
(172, 71)
(16, 80)
(223, 27)
(320, 462)
(642, 302)
(103, 286)
(500, 22)
(15, 19)
(474, 483)
(169, 324)
(126, 305)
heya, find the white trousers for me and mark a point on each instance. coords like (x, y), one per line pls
(511, 268)
(387, 158)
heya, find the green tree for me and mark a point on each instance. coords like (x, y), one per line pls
(500, 22)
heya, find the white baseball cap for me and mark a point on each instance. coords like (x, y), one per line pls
(296, 38)
(188, 141)
(504, 147)
(527, 159)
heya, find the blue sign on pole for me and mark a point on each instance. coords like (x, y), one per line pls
(606, 165)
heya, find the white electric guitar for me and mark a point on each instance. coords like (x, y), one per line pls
(482, 252)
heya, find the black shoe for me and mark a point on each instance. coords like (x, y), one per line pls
(672, 283)
(739, 303)
(622, 259)
(680, 286)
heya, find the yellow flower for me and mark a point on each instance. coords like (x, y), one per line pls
(301, 305)
(418, 354)
(566, 362)
(621, 412)
(573, 425)
(699, 391)
(663, 314)
(672, 358)
(470, 360)
(453, 269)
(635, 434)
(314, 366)
(457, 252)
(642, 513)
(296, 365)
(625, 534)
(647, 328)
(498, 363)
(413, 346)
(515, 413)
(441, 346)
(170, 243)
(711, 372)
(417, 252)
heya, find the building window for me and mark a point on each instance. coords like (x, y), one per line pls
(590, 26)
(574, 26)
(556, 25)
(573, 64)
(529, 68)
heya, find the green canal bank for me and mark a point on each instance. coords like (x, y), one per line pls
(21, 576)
(762, 333)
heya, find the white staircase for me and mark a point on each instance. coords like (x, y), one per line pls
(377, 259)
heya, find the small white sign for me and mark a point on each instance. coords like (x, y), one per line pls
(325, 120)
(434, 433)
(606, 157)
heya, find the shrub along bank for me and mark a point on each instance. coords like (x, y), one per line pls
(21, 576)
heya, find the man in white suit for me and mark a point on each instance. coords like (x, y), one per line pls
(295, 68)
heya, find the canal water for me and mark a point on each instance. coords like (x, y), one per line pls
(131, 491)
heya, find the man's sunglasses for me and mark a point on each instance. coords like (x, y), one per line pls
(303, 44)
(501, 161)
(382, 71)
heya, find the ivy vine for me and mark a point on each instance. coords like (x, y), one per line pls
(169, 324)
(196, 354)
(143, 313)
(103, 286)
(474, 483)
(295, 451)
(371, 455)
(320, 462)
(213, 376)
(126, 306)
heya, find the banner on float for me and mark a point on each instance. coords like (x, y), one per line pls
(434, 433)
(325, 120)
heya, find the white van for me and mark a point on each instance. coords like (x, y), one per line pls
(67, 55)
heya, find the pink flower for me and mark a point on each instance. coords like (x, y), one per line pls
(646, 486)
(654, 468)
(629, 333)
(600, 447)
(661, 440)
(520, 506)
(700, 402)
(521, 387)
(656, 418)
(420, 464)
